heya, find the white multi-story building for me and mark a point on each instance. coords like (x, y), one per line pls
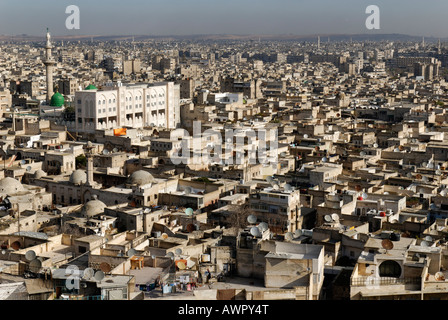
(132, 105)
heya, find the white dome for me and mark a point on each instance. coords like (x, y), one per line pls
(39, 174)
(78, 177)
(93, 208)
(141, 178)
(10, 186)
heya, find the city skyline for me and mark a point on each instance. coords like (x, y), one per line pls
(162, 18)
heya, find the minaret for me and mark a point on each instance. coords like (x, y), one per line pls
(49, 63)
(89, 156)
(423, 42)
(439, 48)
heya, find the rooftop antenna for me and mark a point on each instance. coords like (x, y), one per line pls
(263, 226)
(298, 233)
(254, 231)
(99, 275)
(189, 211)
(131, 252)
(424, 243)
(30, 255)
(335, 217)
(252, 219)
(88, 273)
(105, 267)
(35, 265)
(387, 244)
(289, 236)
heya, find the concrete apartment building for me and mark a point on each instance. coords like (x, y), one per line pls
(135, 106)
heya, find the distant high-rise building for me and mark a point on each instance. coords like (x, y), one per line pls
(131, 66)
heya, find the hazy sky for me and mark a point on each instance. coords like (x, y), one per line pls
(182, 17)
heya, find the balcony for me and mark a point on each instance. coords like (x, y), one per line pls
(383, 281)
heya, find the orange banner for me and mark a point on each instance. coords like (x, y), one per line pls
(120, 132)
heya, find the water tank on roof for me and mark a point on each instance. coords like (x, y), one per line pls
(395, 236)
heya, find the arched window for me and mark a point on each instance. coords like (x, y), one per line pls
(390, 268)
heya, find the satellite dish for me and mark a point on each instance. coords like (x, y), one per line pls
(28, 169)
(298, 233)
(132, 252)
(164, 236)
(324, 159)
(387, 244)
(335, 217)
(189, 211)
(305, 136)
(424, 244)
(22, 162)
(178, 251)
(105, 267)
(439, 276)
(289, 236)
(275, 187)
(99, 275)
(191, 227)
(30, 255)
(35, 265)
(328, 218)
(252, 219)
(188, 190)
(115, 150)
(255, 232)
(375, 145)
(428, 238)
(362, 154)
(269, 179)
(409, 175)
(105, 152)
(263, 226)
(425, 179)
(288, 187)
(170, 254)
(181, 265)
(88, 273)
(147, 210)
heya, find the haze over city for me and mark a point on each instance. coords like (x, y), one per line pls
(180, 17)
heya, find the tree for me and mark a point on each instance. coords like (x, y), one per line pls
(81, 161)
(237, 218)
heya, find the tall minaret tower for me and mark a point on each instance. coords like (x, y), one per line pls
(49, 63)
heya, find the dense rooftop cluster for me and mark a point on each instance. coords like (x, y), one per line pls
(347, 199)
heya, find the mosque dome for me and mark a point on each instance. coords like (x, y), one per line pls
(93, 208)
(10, 186)
(57, 100)
(141, 178)
(91, 87)
(39, 174)
(78, 177)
